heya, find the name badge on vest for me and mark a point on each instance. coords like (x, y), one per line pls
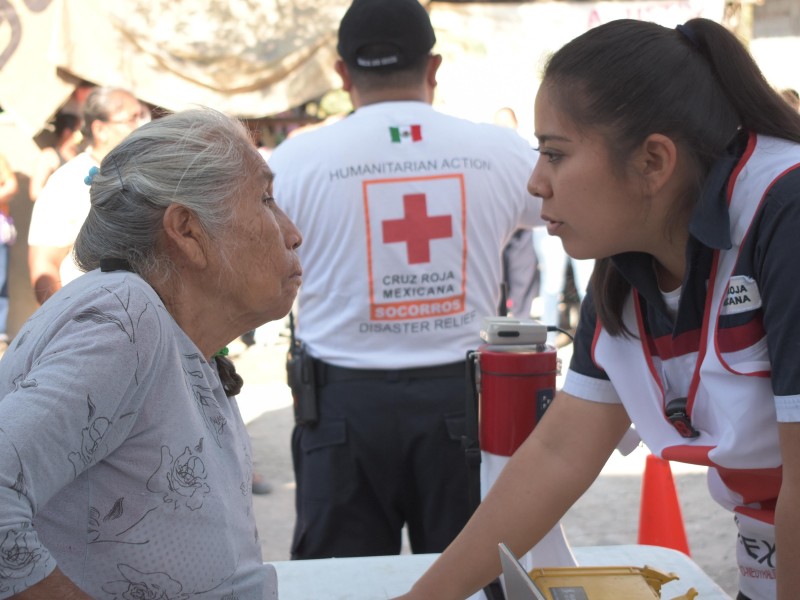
(742, 296)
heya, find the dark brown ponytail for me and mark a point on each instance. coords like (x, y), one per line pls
(612, 289)
(232, 382)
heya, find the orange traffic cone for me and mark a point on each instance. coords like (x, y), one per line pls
(660, 520)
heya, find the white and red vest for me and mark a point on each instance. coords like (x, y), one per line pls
(730, 398)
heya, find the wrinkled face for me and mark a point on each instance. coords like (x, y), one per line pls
(264, 273)
(585, 201)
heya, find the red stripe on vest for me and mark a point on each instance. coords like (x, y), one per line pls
(755, 486)
(667, 347)
(733, 339)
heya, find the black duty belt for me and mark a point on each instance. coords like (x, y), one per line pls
(327, 373)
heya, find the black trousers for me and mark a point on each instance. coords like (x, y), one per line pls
(386, 452)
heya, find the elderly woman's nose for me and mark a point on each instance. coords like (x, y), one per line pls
(291, 233)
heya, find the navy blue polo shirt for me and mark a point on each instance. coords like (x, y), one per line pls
(768, 254)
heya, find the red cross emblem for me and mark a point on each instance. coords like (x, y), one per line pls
(417, 229)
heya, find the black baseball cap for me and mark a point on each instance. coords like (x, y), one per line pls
(385, 34)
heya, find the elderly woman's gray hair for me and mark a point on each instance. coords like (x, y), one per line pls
(194, 158)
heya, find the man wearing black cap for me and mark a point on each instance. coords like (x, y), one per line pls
(405, 212)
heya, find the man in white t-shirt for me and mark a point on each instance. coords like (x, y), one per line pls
(109, 115)
(405, 212)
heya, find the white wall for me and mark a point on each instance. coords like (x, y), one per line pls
(776, 41)
(493, 53)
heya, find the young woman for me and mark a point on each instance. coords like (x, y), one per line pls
(667, 157)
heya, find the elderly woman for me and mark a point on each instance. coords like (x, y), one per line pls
(125, 467)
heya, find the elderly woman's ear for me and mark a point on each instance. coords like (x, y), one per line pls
(185, 237)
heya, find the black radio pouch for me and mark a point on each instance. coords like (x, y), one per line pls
(301, 380)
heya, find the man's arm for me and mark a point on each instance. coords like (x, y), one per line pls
(55, 585)
(44, 263)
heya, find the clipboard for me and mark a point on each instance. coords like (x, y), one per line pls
(519, 586)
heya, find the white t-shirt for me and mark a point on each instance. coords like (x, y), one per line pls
(61, 209)
(405, 212)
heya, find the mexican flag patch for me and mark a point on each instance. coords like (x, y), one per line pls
(406, 133)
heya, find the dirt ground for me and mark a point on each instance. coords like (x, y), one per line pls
(607, 514)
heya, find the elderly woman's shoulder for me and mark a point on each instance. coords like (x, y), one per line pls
(105, 322)
(121, 287)
(121, 300)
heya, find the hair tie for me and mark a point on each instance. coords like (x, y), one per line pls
(689, 34)
(119, 175)
(90, 177)
(114, 264)
(222, 352)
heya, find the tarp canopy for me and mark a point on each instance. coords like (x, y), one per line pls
(253, 58)
(248, 58)
(30, 86)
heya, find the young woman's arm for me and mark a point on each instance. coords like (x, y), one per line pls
(549, 472)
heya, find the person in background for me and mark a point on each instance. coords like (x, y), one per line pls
(519, 274)
(8, 189)
(145, 113)
(553, 260)
(109, 114)
(68, 138)
(506, 117)
(125, 466)
(519, 258)
(260, 485)
(677, 167)
(406, 212)
(792, 97)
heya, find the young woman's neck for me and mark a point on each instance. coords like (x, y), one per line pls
(669, 261)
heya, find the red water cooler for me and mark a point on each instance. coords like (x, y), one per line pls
(511, 382)
(515, 385)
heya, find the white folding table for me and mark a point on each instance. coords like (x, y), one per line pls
(382, 577)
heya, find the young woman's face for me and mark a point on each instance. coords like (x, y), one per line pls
(585, 201)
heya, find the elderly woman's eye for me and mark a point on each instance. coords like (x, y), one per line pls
(268, 199)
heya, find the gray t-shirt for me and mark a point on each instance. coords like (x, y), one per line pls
(121, 459)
